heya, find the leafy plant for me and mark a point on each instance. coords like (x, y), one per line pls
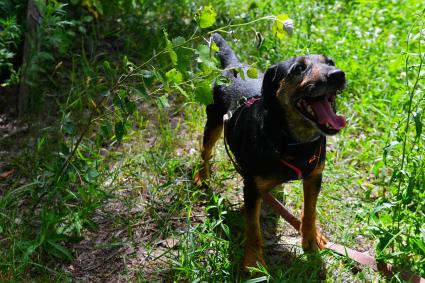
(10, 37)
(399, 216)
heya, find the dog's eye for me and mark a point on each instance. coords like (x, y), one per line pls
(330, 62)
(297, 69)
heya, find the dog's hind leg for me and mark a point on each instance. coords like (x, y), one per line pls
(212, 133)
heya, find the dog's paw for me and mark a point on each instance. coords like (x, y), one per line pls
(252, 259)
(201, 177)
(314, 241)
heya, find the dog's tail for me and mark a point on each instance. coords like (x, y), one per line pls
(226, 54)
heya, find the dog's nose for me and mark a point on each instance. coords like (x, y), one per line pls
(336, 76)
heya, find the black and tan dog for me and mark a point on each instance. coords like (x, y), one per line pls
(276, 128)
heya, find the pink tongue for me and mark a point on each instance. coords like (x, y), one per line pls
(325, 115)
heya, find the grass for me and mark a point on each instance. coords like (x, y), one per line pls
(141, 219)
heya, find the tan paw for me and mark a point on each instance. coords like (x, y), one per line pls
(313, 241)
(252, 258)
(201, 177)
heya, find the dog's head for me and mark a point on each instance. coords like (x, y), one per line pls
(305, 89)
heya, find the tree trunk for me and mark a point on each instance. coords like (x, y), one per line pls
(33, 19)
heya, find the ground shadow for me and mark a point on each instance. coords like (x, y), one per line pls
(283, 254)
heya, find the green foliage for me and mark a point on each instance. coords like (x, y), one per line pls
(206, 17)
(399, 216)
(203, 92)
(204, 247)
(171, 52)
(174, 76)
(10, 37)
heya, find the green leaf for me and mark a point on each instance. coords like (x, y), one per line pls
(258, 279)
(178, 41)
(125, 61)
(214, 47)
(107, 67)
(278, 26)
(91, 175)
(204, 57)
(162, 101)
(185, 55)
(171, 52)
(206, 17)
(222, 80)
(122, 93)
(106, 129)
(252, 73)
(182, 91)
(395, 100)
(378, 165)
(174, 76)
(120, 130)
(203, 52)
(381, 207)
(29, 248)
(69, 127)
(419, 245)
(203, 93)
(58, 251)
(130, 106)
(98, 5)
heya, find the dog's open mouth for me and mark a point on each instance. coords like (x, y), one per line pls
(321, 111)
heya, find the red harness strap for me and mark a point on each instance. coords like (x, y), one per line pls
(317, 156)
(252, 100)
(293, 167)
(384, 268)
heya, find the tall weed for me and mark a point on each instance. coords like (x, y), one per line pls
(399, 216)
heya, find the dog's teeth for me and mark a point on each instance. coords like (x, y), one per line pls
(310, 110)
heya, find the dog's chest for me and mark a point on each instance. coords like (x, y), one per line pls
(301, 159)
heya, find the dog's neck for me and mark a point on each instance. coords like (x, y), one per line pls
(289, 123)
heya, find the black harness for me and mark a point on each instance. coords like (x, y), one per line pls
(301, 158)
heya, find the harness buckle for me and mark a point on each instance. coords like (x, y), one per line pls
(227, 116)
(313, 158)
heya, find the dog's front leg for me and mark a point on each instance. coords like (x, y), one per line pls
(312, 239)
(254, 242)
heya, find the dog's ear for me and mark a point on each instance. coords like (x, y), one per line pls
(271, 81)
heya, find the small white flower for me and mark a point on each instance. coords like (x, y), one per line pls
(342, 41)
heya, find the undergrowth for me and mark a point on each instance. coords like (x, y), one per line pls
(398, 218)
